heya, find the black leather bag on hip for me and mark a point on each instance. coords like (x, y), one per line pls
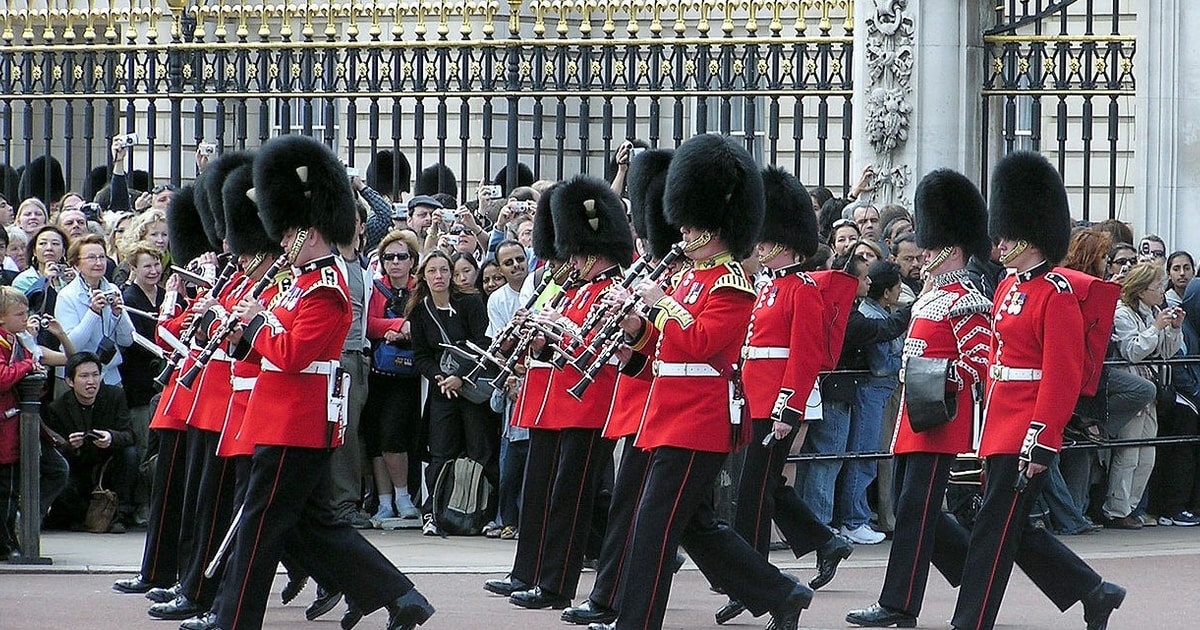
(928, 399)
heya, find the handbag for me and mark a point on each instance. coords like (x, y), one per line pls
(390, 358)
(103, 506)
(459, 362)
(929, 402)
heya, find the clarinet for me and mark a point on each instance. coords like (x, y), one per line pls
(230, 324)
(185, 339)
(596, 314)
(529, 332)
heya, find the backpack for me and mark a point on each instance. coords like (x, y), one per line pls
(463, 499)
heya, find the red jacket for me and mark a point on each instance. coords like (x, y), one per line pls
(244, 375)
(300, 339)
(787, 319)
(377, 323)
(531, 401)
(11, 372)
(1037, 325)
(213, 389)
(175, 401)
(702, 322)
(953, 321)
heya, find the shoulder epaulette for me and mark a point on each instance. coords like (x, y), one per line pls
(970, 303)
(1059, 282)
(734, 278)
(806, 279)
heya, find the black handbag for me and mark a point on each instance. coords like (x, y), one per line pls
(459, 362)
(929, 402)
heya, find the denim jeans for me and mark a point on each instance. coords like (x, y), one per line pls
(866, 424)
(815, 480)
(1065, 516)
(512, 472)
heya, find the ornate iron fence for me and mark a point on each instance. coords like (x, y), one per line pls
(1060, 79)
(471, 84)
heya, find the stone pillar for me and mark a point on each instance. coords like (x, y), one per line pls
(918, 72)
(1167, 111)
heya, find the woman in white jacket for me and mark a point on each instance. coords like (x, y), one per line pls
(1142, 330)
(90, 308)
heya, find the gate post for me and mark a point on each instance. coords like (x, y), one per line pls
(29, 390)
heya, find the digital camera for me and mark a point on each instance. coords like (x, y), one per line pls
(126, 140)
(491, 192)
(206, 148)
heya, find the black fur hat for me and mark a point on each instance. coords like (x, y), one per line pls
(185, 231)
(645, 183)
(381, 170)
(789, 218)
(10, 184)
(543, 227)
(437, 179)
(299, 183)
(524, 177)
(33, 181)
(140, 181)
(1028, 202)
(243, 229)
(949, 211)
(713, 184)
(589, 220)
(97, 179)
(208, 190)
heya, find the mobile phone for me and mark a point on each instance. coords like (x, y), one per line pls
(352, 172)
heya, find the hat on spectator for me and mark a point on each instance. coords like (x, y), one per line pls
(713, 184)
(645, 184)
(424, 200)
(34, 180)
(788, 217)
(950, 212)
(542, 238)
(97, 178)
(436, 179)
(208, 190)
(524, 177)
(589, 220)
(1028, 202)
(185, 231)
(382, 176)
(244, 231)
(299, 184)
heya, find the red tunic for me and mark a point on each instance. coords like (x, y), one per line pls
(535, 387)
(213, 389)
(175, 400)
(785, 346)
(701, 323)
(563, 411)
(300, 339)
(1037, 325)
(952, 321)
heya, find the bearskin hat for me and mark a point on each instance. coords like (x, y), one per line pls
(543, 227)
(9, 184)
(139, 180)
(208, 190)
(589, 220)
(1029, 202)
(789, 218)
(243, 229)
(381, 174)
(96, 180)
(713, 184)
(299, 183)
(645, 183)
(34, 182)
(949, 211)
(524, 177)
(436, 179)
(185, 231)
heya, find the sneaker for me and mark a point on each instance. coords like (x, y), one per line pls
(508, 533)
(1183, 519)
(863, 535)
(409, 512)
(428, 527)
(491, 530)
(384, 511)
(357, 519)
(1148, 520)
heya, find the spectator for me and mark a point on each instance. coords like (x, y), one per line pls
(831, 213)
(1116, 230)
(6, 212)
(94, 420)
(820, 195)
(867, 219)
(869, 250)
(908, 255)
(392, 416)
(421, 217)
(148, 227)
(31, 216)
(92, 310)
(117, 224)
(140, 367)
(1141, 330)
(70, 201)
(383, 211)
(1175, 483)
(490, 277)
(893, 230)
(18, 241)
(160, 198)
(440, 312)
(843, 235)
(1181, 268)
(466, 272)
(8, 270)
(1121, 256)
(889, 215)
(463, 240)
(47, 272)
(72, 221)
(16, 362)
(1152, 249)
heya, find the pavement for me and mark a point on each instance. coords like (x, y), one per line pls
(1160, 566)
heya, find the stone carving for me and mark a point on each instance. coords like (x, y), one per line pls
(889, 58)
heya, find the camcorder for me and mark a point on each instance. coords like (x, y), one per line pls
(126, 140)
(91, 210)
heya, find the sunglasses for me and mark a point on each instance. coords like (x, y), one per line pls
(395, 257)
(461, 230)
(515, 260)
(840, 223)
(1123, 261)
(162, 188)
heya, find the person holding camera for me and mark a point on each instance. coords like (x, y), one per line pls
(94, 420)
(92, 310)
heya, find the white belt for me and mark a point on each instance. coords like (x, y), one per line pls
(1005, 373)
(684, 369)
(755, 352)
(221, 355)
(244, 383)
(534, 363)
(316, 367)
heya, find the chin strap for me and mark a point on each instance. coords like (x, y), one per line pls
(762, 260)
(937, 261)
(254, 264)
(587, 266)
(700, 241)
(1022, 245)
(294, 251)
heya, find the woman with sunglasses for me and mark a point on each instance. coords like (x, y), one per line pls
(392, 413)
(1121, 257)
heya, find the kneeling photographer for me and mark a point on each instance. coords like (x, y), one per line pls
(91, 310)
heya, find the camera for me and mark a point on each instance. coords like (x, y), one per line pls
(126, 140)
(206, 148)
(452, 240)
(110, 296)
(91, 210)
(399, 212)
(448, 215)
(44, 319)
(352, 172)
(635, 151)
(491, 192)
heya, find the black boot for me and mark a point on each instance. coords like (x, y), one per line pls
(879, 616)
(134, 584)
(293, 588)
(177, 609)
(589, 612)
(324, 603)
(828, 557)
(506, 586)
(352, 616)
(729, 611)
(1100, 603)
(787, 615)
(409, 611)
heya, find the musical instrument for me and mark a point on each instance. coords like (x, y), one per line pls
(596, 314)
(610, 336)
(185, 338)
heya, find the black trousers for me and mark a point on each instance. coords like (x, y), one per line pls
(1002, 535)
(622, 509)
(1174, 484)
(763, 495)
(676, 506)
(288, 495)
(160, 558)
(459, 427)
(562, 475)
(212, 510)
